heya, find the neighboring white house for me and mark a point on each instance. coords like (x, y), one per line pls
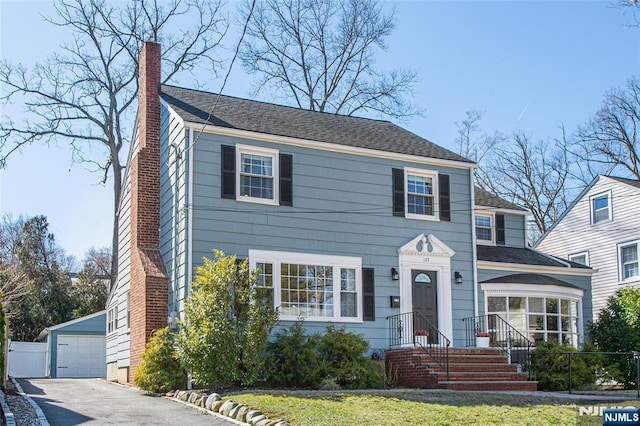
(601, 229)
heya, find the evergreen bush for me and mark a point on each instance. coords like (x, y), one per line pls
(160, 369)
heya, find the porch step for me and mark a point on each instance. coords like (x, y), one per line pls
(488, 385)
(481, 376)
(469, 369)
(471, 358)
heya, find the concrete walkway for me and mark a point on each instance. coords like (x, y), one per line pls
(68, 402)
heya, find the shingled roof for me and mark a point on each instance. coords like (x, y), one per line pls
(631, 182)
(261, 117)
(529, 279)
(521, 255)
(487, 199)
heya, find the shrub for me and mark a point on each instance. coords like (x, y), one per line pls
(550, 367)
(618, 330)
(342, 354)
(332, 360)
(292, 358)
(227, 324)
(160, 369)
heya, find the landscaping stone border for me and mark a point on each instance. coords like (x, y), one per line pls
(41, 417)
(213, 402)
(6, 411)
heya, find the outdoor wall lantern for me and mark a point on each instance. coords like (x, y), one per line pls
(458, 277)
(395, 276)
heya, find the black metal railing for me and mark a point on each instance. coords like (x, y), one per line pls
(503, 336)
(412, 328)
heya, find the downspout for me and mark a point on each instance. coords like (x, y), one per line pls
(189, 218)
(189, 223)
(175, 243)
(474, 249)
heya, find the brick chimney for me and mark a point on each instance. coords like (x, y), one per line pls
(149, 285)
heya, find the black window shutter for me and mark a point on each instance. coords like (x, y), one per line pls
(286, 180)
(368, 295)
(500, 237)
(445, 198)
(228, 175)
(398, 192)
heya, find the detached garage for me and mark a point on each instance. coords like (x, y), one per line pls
(77, 348)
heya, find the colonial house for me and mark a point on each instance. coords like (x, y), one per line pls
(600, 229)
(351, 221)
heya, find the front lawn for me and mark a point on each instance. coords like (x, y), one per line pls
(419, 407)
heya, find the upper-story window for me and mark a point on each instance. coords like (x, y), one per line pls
(484, 228)
(600, 208)
(421, 189)
(581, 258)
(257, 175)
(421, 194)
(628, 258)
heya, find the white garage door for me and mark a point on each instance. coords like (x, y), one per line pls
(81, 356)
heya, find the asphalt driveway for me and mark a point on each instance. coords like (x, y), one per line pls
(67, 402)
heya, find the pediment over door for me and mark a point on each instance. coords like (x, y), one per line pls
(426, 245)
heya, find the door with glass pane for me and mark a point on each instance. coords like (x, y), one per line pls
(425, 302)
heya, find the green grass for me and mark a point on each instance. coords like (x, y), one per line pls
(418, 407)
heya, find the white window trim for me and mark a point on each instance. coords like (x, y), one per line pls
(266, 152)
(111, 321)
(592, 211)
(491, 242)
(582, 253)
(278, 257)
(436, 200)
(535, 290)
(621, 277)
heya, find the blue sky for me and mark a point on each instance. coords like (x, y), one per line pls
(530, 66)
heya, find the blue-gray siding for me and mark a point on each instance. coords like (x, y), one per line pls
(342, 205)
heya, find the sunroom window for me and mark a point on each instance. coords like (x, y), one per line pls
(539, 318)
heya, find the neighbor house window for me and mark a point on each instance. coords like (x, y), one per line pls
(421, 194)
(540, 319)
(628, 258)
(311, 287)
(581, 258)
(600, 208)
(484, 228)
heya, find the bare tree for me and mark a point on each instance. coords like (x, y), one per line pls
(472, 142)
(85, 94)
(532, 175)
(319, 55)
(631, 10)
(610, 140)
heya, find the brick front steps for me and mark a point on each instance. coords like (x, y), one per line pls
(469, 369)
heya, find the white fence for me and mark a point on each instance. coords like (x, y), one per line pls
(27, 359)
